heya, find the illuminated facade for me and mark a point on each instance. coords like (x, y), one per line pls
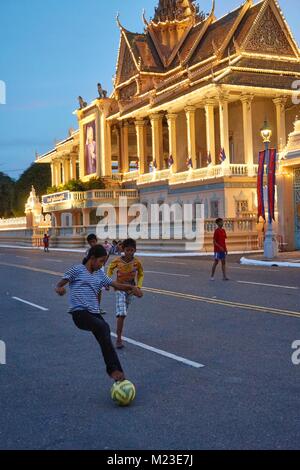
(191, 94)
(289, 191)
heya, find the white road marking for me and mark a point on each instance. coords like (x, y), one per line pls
(184, 296)
(267, 285)
(256, 268)
(170, 262)
(187, 362)
(29, 303)
(54, 260)
(168, 274)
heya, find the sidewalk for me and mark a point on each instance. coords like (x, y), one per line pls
(150, 254)
(283, 260)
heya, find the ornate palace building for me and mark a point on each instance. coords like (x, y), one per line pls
(191, 94)
(289, 191)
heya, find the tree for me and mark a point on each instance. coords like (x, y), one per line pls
(36, 175)
(6, 195)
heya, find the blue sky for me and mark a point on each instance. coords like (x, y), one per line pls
(52, 51)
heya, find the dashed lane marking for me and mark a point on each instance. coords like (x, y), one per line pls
(209, 300)
(31, 304)
(187, 362)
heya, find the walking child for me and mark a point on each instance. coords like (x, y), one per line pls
(129, 270)
(85, 282)
(220, 249)
(46, 239)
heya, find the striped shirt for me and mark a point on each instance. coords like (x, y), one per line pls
(85, 288)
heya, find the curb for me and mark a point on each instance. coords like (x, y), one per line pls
(275, 264)
(140, 254)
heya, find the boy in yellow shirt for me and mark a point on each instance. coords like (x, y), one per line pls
(130, 271)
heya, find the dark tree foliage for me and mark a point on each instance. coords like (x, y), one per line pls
(6, 195)
(36, 175)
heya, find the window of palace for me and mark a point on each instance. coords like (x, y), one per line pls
(94, 219)
(242, 207)
(214, 209)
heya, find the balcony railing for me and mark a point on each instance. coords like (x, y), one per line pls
(199, 174)
(81, 199)
(233, 225)
(112, 194)
(131, 176)
(18, 222)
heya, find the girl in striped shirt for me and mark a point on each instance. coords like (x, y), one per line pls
(86, 282)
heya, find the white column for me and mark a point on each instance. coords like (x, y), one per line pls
(52, 174)
(280, 117)
(141, 137)
(172, 118)
(107, 171)
(58, 173)
(119, 147)
(82, 169)
(190, 112)
(125, 146)
(104, 165)
(73, 166)
(86, 217)
(157, 139)
(224, 128)
(248, 132)
(210, 130)
(54, 163)
(66, 170)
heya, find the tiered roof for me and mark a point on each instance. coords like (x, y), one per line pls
(247, 44)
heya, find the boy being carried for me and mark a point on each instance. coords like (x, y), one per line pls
(129, 271)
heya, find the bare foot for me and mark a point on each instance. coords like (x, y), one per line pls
(119, 345)
(118, 376)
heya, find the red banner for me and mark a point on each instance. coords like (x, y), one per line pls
(271, 183)
(260, 186)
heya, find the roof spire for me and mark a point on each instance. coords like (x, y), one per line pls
(119, 22)
(172, 10)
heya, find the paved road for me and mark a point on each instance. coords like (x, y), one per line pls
(55, 393)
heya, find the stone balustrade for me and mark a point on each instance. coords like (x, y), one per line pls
(82, 199)
(174, 229)
(232, 225)
(16, 222)
(199, 174)
(130, 176)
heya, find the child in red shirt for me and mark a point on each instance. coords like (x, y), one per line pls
(220, 249)
(46, 242)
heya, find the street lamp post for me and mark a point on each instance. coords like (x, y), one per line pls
(270, 244)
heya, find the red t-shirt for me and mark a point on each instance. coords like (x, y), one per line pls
(46, 240)
(220, 240)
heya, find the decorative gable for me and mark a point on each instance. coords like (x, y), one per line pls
(126, 66)
(268, 36)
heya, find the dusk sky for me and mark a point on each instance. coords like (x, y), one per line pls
(52, 51)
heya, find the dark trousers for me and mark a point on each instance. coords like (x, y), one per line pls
(87, 321)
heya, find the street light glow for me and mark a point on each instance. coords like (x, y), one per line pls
(266, 133)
